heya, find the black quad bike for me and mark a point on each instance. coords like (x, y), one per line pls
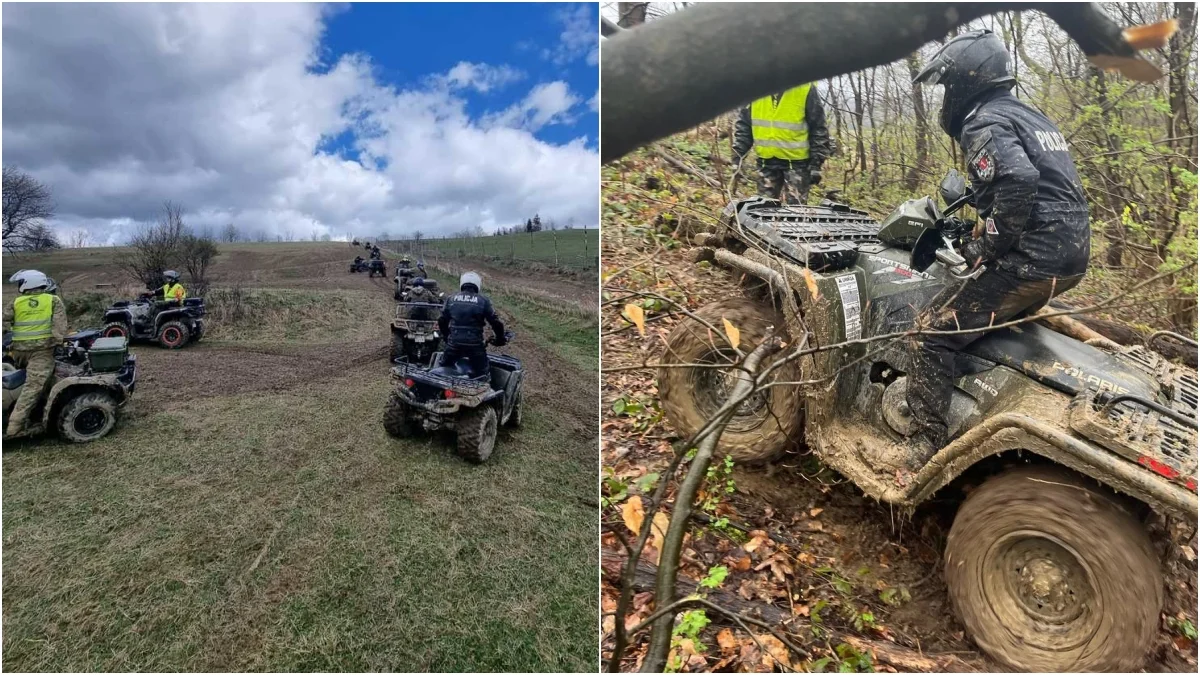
(371, 267)
(93, 377)
(1049, 564)
(171, 325)
(415, 337)
(451, 397)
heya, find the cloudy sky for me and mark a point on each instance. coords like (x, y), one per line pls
(295, 118)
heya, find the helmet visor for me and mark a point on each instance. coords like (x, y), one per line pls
(932, 72)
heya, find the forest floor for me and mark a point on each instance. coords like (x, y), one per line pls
(845, 576)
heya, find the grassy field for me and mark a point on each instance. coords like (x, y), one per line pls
(250, 513)
(564, 249)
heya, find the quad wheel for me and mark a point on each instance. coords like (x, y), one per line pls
(1048, 572)
(174, 335)
(766, 425)
(476, 429)
(396, 419)
(87, 417)
(116, 329)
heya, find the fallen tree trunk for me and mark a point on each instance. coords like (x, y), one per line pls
(898, 656)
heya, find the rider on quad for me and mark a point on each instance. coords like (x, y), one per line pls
(418, 293)
(38, 322)
(1034, 240)
(462, 322)
(375, 254)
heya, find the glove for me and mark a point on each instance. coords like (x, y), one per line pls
(814, 176)
(499, 341)
(972, 251)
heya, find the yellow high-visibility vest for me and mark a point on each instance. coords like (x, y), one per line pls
(169, 292)
(780, 131)
(33, 317)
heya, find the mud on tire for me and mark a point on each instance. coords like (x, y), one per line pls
(1049, 573)
(477, 433)
(396, 419)
(173, 335)
(397, 347)
(769, 423)
(87, 417)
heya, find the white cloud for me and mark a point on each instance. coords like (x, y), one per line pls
(226, 109)
(547, 103)
(580, 37)
(481, 76)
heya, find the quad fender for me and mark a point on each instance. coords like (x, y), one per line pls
(1018, 431)
(78, 385)
(118, 315)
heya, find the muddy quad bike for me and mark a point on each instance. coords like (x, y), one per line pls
(1048, 564)
(171, 325)
(94, 376)
(376, 266)
(415, 337)
(452, 397)
(357, 266)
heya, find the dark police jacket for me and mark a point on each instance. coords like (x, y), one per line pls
(1027, 191)
(463, 317)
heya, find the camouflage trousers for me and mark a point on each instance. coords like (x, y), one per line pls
(39, 366)
(789, 185)
(995, 297)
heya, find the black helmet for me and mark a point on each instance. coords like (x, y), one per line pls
(419, 281)
(966, 67)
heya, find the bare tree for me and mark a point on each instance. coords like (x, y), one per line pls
(78, 238)
(168, 244)
(418, 235)
(27, 204)
(41, 238)
(196, 253)
(230, 234)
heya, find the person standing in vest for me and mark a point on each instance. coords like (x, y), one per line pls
(789, 135)
(39, 323)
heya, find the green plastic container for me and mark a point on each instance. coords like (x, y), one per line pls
(107, 355)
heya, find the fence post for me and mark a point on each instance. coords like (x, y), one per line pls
(554, 235)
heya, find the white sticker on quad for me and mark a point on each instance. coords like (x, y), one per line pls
(851, 309)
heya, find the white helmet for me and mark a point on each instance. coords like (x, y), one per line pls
(31, 280)
(171, 275)
(470, 278)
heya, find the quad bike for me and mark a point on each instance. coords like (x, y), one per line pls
(376, 266)
(452, 397)
(93, 377)
(171, 325)
(404, 277)
(415, 337)
(1048, 564)
(357, 266)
